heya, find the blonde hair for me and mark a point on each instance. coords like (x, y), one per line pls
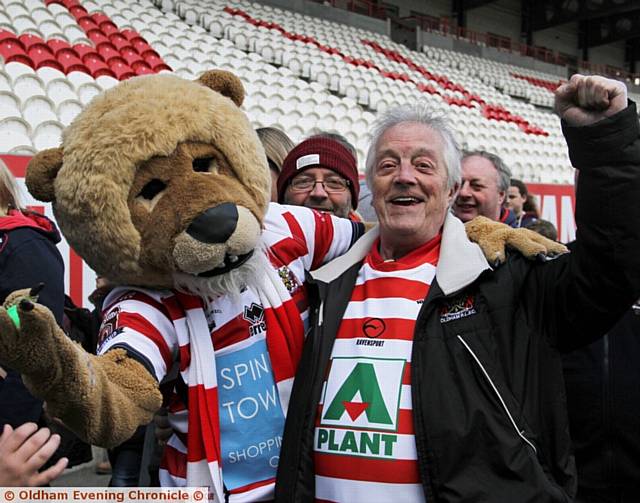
(276, 144)
(9, 196)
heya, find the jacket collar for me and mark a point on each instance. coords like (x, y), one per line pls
(460, 262)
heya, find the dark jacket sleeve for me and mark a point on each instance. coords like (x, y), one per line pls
(28, 259)
(578, 297)
(35, 259)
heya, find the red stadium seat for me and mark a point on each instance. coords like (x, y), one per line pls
(108, 28)
(41, 56)
(97, 67)
(29, 40)
(118, 41)
(96, 36)
(84, 50)
(122, 71)
(57, 45)
(71, 62)
(87, 23)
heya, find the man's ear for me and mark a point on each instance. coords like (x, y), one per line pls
(41, 173)
(225, 83)
(453, 193)
(503, 197)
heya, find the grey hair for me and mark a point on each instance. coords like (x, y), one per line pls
(9, 194)
(504, 173)
(420, 113)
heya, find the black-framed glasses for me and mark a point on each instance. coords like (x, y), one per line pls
(306, 184)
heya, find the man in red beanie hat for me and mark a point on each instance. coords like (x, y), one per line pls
(320, 173)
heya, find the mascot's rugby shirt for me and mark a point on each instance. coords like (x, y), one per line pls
(364, 441)
(253, 390)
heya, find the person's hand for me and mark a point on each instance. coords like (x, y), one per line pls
(24, 451)
(586, 100)
(163, 429)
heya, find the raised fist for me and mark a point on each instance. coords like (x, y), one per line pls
(586, 100)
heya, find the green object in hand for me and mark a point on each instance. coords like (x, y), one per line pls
(13, 314)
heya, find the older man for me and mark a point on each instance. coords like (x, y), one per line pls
(428, 375)
(321, 173)
(483, 191)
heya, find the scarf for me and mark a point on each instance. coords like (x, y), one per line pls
(285, 336)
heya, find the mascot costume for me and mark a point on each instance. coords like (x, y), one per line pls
(162, 186)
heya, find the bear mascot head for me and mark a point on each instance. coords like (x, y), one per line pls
(160, 182)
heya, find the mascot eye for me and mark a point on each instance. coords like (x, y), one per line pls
(204, 164)
(152, 189)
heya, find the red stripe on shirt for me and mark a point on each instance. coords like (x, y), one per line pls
(390, 471)
(323, 237)
(174, 461)
(291, 248)
(395, 328)
(382, 288)
(140, 324)
(235, 330)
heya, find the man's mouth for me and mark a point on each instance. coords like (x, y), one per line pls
(230, 262)
(405, 200)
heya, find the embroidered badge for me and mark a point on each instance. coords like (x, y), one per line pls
(109, 328)
(457, 308)
(288, 279)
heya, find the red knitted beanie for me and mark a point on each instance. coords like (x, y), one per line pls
(323, 153)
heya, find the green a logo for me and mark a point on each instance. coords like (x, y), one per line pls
(362, 379)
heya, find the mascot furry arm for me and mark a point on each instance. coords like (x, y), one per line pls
(143, 136)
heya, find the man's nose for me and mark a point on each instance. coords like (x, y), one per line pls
(464, 190)
(406, 173)
(318, 190)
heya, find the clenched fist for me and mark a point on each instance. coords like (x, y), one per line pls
(586, 100)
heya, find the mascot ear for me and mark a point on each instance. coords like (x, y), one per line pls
(226, 83)
(42, 171)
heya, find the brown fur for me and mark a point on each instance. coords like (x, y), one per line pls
(493, 238)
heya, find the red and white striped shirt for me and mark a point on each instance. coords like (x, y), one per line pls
(257, 348)
(364, 439)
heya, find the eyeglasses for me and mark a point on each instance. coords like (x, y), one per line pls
(330, 184)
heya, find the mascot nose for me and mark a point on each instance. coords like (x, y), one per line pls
(216, 225)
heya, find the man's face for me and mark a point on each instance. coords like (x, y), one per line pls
(320, 197)
(409, 184)
(479, 194)
(515, 200)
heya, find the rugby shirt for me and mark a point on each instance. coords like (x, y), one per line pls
(364, 444)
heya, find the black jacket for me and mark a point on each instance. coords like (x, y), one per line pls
(603, 396)
(28, 256)
(487, 389)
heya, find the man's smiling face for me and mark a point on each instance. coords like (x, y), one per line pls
(409, 184)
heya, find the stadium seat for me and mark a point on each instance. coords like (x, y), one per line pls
(47, 135)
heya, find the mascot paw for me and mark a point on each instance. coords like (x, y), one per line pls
(494, 238)
(28, 333)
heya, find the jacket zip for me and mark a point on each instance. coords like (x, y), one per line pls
(495, 390)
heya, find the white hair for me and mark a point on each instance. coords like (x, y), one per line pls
(420, 113)
(232, 283)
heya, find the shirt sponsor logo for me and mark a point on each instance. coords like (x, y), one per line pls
(457, 308)
(254, 314)
(361, 394)
(251, 417)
